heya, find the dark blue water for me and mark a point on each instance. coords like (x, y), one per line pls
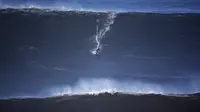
(47, 52)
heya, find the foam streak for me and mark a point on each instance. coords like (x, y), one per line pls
(101, 31)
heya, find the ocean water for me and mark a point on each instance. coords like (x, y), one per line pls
(52, 52)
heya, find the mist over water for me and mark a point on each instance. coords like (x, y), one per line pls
(99, 85)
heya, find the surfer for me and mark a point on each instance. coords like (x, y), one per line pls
(97, 51)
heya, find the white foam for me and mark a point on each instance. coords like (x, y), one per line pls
(100, 85)
(78, 7)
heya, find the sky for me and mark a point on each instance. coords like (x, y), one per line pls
(49, 54)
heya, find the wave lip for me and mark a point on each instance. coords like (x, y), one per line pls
(99, 9)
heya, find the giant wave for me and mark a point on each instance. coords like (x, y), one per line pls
(95, 85)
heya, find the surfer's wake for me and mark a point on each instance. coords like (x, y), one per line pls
(101, 31)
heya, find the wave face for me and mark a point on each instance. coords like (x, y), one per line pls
(164, 6)
(47, 52)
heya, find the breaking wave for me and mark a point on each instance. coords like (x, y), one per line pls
(100, 85)
(94, 85)
(127, 8)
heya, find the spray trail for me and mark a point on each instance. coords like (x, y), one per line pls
(101, 31)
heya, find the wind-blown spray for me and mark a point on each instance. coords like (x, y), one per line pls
(100, 32)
